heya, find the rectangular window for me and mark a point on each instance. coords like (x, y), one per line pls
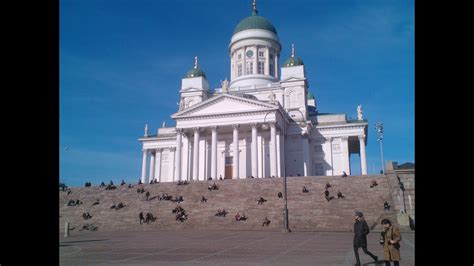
(260, 53)
(249, 68)
(271, 56)
(272, 70)
(261, 67)
(239, 70)
(239, 56)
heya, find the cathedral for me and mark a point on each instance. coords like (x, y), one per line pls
(263, 122)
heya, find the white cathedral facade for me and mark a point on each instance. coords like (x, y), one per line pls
(261, 123)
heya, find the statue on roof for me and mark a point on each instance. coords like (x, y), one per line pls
(146, 130)
(164, 124)
(271, 97)
(225, 85)
(359, 112)
(181, 104)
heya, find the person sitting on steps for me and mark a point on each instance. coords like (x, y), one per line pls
(280, 195)
(305, 190)
(328, 185)
(339, 195)
(266, 222)
(344, 174)
(386, 206)
(237, 217)
(261, 200)
(203, 199)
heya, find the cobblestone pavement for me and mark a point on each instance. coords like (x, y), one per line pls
(221, 248)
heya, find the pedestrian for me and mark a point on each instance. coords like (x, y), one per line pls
(361, 229)
(141, 217)
(391, 246)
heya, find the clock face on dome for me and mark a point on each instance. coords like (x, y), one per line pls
(249, 53)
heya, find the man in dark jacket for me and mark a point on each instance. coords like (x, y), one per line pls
(361, 229)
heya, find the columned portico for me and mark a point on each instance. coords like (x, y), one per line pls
(236, 151)
(214, 153)
(363, 159)
(145, 152)
(196, 154)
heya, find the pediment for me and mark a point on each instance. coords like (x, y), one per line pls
(290, 79)
(225, 104)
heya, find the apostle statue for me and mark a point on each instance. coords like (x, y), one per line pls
(146, 130)
(359, 112)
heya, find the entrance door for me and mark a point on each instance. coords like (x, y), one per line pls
(228, 167)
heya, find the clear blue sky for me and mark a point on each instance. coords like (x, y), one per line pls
(121, 64)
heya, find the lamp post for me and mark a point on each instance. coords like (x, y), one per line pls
(379, 127)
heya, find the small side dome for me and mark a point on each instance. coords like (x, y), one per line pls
(293, 60)
(195, 71)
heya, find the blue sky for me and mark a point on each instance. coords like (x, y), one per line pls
(121, 64)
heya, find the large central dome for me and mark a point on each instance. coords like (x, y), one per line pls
(255, 22)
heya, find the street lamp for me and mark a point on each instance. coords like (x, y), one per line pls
(379, 127)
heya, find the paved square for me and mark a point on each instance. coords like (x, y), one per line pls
(192, 247)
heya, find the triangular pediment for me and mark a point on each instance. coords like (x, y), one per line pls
(224, 104)
(290, 79)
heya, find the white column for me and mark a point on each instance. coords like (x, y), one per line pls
(283, 157)
(244, 63)
(330, 150)
(260, 155)
(158, 164)
(278, 154)
(236, 151)
(185, 156)
(152, 167)
(178, 153)
(363, 158)
(172, 166)
(305, 145)
(232, 63)
(273, 162)
(254, 151)
(345, 155)
(276, 65)
(214, 153)
(145, 152)
(196, 154)
(255, 61)
(267, 60)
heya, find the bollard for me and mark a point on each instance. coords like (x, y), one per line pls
(66, 230)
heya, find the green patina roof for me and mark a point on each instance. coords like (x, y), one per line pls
(255, 22)
(310, 96)
(293, 61)
(195, 72)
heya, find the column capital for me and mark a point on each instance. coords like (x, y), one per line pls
(144, 150)
(254, 125)
(235, 126)
(159, 150)
(179, 130)
(172, 149)
(196, 129)
(272, 124)
(214, 127)
(344, 138)
(361, 137)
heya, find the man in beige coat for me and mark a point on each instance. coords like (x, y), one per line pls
(391, 245)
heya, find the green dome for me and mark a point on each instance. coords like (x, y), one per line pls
(309, 96)
(293, 61)
(255, 22)
(195, 72)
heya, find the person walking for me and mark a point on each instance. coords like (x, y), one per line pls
(361, 229)
(391, 246)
